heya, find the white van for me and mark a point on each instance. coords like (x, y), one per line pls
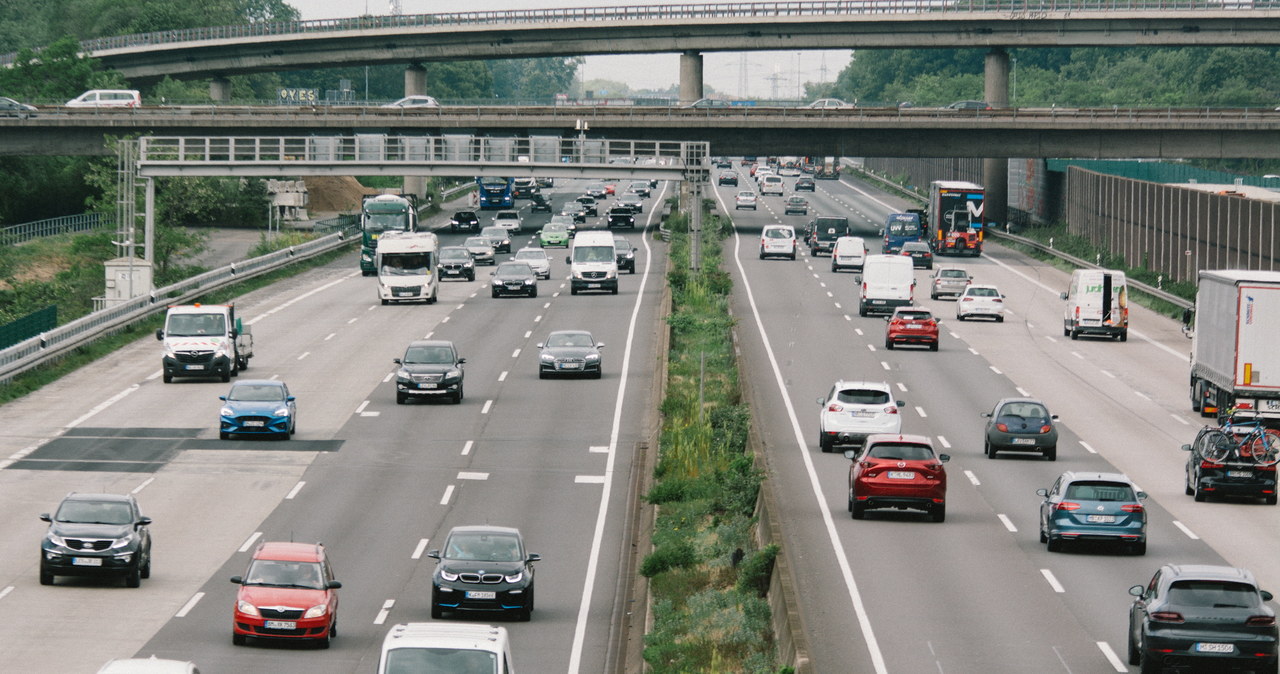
(593, 263)
(1097, 304)
(888, 282)
(406, 264)
(850, 252)
(772, 185)
(107, 98)
(413, 648)
(151, 665)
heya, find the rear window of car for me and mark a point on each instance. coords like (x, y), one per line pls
(901, 451)
(983, 292)
(1100, 491)
(915, 246)
(1024, 410)
(914, 315)
(779, 233)
(1212, 594)
(860, 396)
(954, 273)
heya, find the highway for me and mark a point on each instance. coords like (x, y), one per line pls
(978, 593)
(379, 483)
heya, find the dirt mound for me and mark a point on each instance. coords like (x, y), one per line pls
(335, 194)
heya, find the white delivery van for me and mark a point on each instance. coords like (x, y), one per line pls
(772, 185)
(415, 648)
(406, 264)
(888, 282)
(850, 252)
(593, 263)
(151, 665)
(1097, 304)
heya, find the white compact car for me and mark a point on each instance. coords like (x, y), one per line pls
(852, 410)
(778, 240)
(977, 300)
(537, 259)
(745, 200)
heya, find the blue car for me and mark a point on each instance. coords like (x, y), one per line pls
(258, 407)
(1093, 507)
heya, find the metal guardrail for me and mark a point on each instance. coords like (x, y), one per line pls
(57, 342)
(27, 231)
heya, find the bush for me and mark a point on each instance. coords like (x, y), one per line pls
(676, 555)
(756, 570)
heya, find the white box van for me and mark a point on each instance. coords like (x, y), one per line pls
(888, 282)
(772, 185)
(406, 264)
(107, 98)
(850, 252)
(1097, 304)
(593, 263)
(151, 665)
(412, 648)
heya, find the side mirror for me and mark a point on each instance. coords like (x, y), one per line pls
(461, 361)
(600, 345)
(291, 399)
(434, 554)
(1042, 492)
(1053, 417)
(540, 345)
(1142, 495)
(900, 403)
(821, 401)
(493, 273)
(1137, 590)
(222, 397)
(1266, 596)
(160, 333)
(851, 454)
(567, 260)
(1062, 295)
(533, 557)
(986, 415)
(237, 580)
(45, 517)
(396, 361)
(1186, 448)
(880, 232)
(144, 521)
(888, 318)
(333, 584)
(857, 278)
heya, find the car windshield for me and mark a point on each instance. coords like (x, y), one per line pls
(478, 242)
(439, 660)
(256, 392)
(1024, 411)
(277, 573)
(570, 339)
(916, 247)
(953, 273)
(95, 512)
(405, 264)
(464, 215)
(859, 396)
(194, 325)
(483, 547)
(1100, 491)
(454, 254)
(554, 228)
(901, 452)
(514, 269)
(593, 254)
(498, 233)
(428, 355)
(913, 316)
(621, 244)
(983, 292)
(537, 255)
(1212, 594)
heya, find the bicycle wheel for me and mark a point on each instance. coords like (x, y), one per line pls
(1262, 447)
(1214, 445)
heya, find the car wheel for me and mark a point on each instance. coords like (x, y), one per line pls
(573, 290)
(614, 291)
(238, 639)
(933, 296)
(1065, 331)
(1124, 335)
(761, 253)
(1135, 654)
(224, 436)
(999, 319)
(133, 578)
(1186, 486)
(533, 293)
(859, 510)
(524, 613)
(46, 577)
(471, 276)
(850, 505)
(1044, 538)
(1051, 453)
(146, 566)
(824, 443)
(401, 398)
(457, 397)
(939, 513)
(1075, 334)
(168, 378)
(1199, 494)
(323, 642)
(542, 375)
(1138, 549)
(933, 346)
(991, 451)
(386, 302)
(959, 316)
(598, 374)
(1149, 664)
(436, 611)
(792, 256)
(1054, 545)
(888, 344)
(1270, 499)
(494, 292)
(226, 375)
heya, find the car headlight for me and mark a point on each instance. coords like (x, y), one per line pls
(246, 608)
(364, 257)
(445, 575)
(468, 264)
(403, 374)
(630, 255)
(57, 540)
(227, 412)
(168, 350)
(220, 352)
(547, 358)
(515, 577)
(316, 611)
(454, 373)
(528, 281)
(282, 412)
(593, 356)
(123, 540)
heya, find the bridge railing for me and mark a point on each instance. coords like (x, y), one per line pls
(26, 231)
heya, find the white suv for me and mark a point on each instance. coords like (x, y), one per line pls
(510, 220)
(855, 409)
(778, 240)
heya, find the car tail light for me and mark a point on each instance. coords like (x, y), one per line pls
(997, 300)
(967, 299)
(1260, 621)
(1211, 465)
(1132, 508)
(890, 409)
(1002, 428)
(835, 407)
(927, 254)
(1077, 313)
(1046, 428)
(1167, 617)
(1067, 505)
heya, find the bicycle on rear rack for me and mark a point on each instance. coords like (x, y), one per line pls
(1247, 441)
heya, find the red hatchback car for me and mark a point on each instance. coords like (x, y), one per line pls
(288, 593)
(898, 471)
(911, 325)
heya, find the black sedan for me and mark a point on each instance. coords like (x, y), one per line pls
(514, 278)
(626, 254)
(728, 178)
(483, 568)
(576, 211)
(633, 201)
(1021, 425)
(570, 352)
(806, 184)
(920, 253)
(589, 205)
(1202, 616)
(429, 369)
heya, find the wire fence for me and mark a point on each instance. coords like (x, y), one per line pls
(84, 222)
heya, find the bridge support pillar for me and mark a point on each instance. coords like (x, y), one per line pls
(220, 90)
(415, 84)
(995, 172)
(690, 77)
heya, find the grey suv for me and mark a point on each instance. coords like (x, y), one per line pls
(96, 535)
(430, 368)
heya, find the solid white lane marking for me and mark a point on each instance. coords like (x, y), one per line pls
(943, 441)
(503, 376)
(1111, 656)
(598, 449)
(1008, 524)
(331, 336)
(448, 493)
(386, 611)
(191, 603)
(1053, 582)
(1179, 419)
(301, 297)
(972, 478)
(294, 492)
(419, 549)
(464, 475)
(1086, 446)
(5, 592)
(1023, 392)
(248, 543)
(143, 485)
(102, 406)
(920, 411)
(588, 479)
(1184, 529)
(995, 369)
(515, 354)
(1107, 374)
(466, 449)
(487, 405)
(304, 355)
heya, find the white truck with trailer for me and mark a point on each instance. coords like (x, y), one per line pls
(1235, 362)
(204, 340)
(406, 266)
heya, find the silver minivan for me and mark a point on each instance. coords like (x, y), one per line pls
(850, 252)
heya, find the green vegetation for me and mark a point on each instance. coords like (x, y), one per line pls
(707, 581)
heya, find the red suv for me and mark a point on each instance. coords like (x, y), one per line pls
(911, 325)
(287, 593)
(898, 471)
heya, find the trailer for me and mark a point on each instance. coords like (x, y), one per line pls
(1234, 360)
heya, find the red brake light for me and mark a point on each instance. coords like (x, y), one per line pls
(1046, 428)
(835, 407)
(967, 299)
(1132, 508)
(1067, 505)
(1167, 617)
(890, 409)
(1260, 621)
(1209, 465)
(997, 300)
(1002, 428)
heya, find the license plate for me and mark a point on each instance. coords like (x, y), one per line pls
(255, 423)
(193, 367)
(861, 414)
(570, 366)
(481, 595)
(1024, 441)
(86, 561)
(1239, 473)
(901, 475)
(404, 294)
(1204, 647)
(281, 625)
(914, 326)
(1101, 519)
(1272, 405)
(877, 301)
(593, 285)
(514, 286)
(426, 385)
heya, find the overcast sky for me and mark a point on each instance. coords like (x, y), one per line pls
(768, 74)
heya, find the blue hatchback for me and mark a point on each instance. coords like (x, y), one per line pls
(258, 407)
(1093, 507)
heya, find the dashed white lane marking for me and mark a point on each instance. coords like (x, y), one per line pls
(299, 298)
(884, 364)
(388, 377)
(304, 355)
(1107, 374)
(419, 549)
(1180, 420)
(528, 334)
(386, 611)
(487, 405)
(943, 441)
(1077, 355)
(546, 306)
(537, 319)
(294, 492)
(428, 335)
(820, 283)
(274, 377)
(830, 294)
(6, 591)
(857, 331)
(466, 449)
(155, 375)
(1029, 325)
(1142, 395)
(371, 308)
(1008, 524)
(352, 321)
(515, 354)
(248, 543)
(1111, 657)
(473, 295)
(460, 306)
(838, 306)
(143, 485)
(1053, 582)
(448, 493)
(972, 478)
(971, 349)
(1183, 528)
(465, 475)
(503, 376)
(102, 406)
(598, 449)
(331, 336)
(871, 347)
(847, 317)
(1023, 392)
(1086, 446)
(191, 603)
(588, 479)
(445, 319)
(902, 387)
(995, 369)
(360, 409)
(920, 411)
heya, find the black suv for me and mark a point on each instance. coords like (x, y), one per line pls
(823, 232)
(1233, 475)
(483, 568)
(96, 535)
(430, 368)
(622, 216)
(539, 203)
(626, 254)
(467, 220)
(1201, 616)
(804, 184)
